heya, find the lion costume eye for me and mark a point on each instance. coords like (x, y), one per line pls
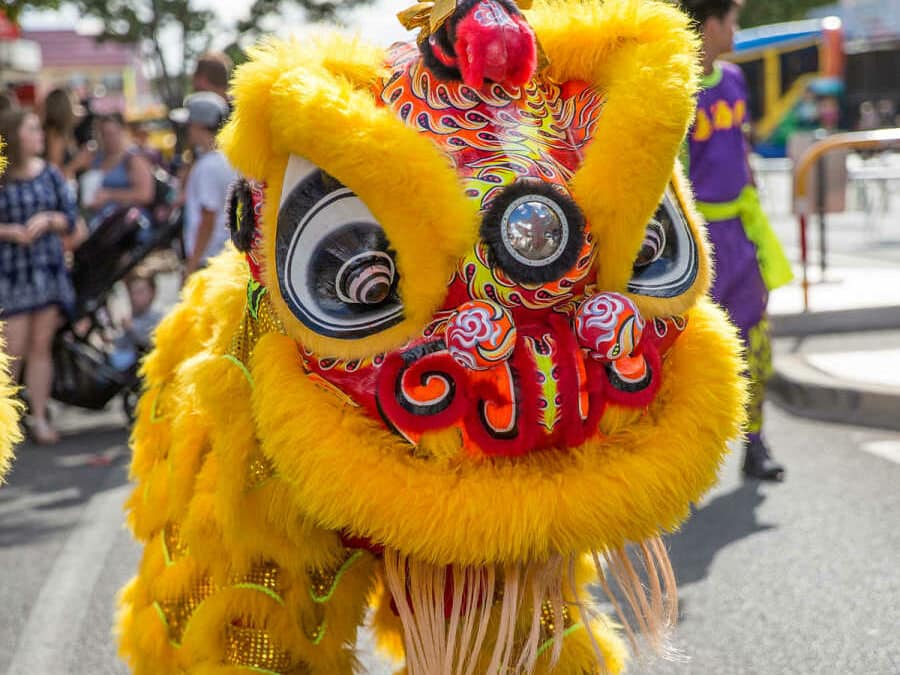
(334, 264)
(669, 260)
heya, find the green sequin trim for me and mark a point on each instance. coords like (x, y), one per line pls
(240, 364)
(320, 632)
(568, 631)
(262, 589)
(256, 669)
(255, 293)
(337, 577)
(162, 617)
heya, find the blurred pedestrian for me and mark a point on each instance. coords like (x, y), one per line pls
(868, 118)
(36, 208)
(125, 176)
(212, 72)
(60, 149)
(749, 260)
(887, 113)
(140, 134)
(209, 180)
(60, 117)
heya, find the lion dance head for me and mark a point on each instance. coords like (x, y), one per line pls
(460, 364)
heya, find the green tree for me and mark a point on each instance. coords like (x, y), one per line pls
(14, 8)
(147, 24)
(760, 12)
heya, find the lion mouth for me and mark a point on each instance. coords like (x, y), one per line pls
(535, 387)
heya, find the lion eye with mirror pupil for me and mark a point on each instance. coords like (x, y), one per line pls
(654, 244)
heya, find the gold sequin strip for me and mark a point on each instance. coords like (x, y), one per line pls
(178, 612)
(263, 576)
(254, 648)
(548, 620)
(173, 547)
(324, 582)
(259, 471)
(252, 328)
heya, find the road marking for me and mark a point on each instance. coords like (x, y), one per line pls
(62, 604)
(32, 501)
(889, 450)
(104, 458)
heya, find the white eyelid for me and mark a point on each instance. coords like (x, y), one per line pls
(296, 170)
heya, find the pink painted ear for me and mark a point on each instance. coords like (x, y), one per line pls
(493, 44)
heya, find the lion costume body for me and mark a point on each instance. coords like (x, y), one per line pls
(10, 406)
(464, 361)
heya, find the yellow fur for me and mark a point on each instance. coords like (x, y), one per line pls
(376, 489)
(318, 108)
(10, 408)
(249, 473)
(373, 484)
(10, 411)
(643, 56)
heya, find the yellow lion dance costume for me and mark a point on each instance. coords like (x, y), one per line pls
(10, 407)
(464, 366)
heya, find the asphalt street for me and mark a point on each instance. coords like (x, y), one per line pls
(794, 578)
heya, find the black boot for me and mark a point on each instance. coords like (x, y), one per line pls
(758, 463)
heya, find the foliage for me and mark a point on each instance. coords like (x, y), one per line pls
(147, 23)
(760, 12)
(14, 8)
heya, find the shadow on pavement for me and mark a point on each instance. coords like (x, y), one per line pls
(49, 484)
(722, 521)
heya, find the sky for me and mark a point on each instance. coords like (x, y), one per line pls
(377, 22)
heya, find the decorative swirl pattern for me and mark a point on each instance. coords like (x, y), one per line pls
(480, 335)
(495, 135)
(491, 283)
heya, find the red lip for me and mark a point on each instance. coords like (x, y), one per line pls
(505, 410)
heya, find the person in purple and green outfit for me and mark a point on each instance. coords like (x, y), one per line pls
(748, 258)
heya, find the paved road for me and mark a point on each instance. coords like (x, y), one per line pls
(794, 578)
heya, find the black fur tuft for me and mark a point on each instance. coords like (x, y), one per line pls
(239, 210)
(499, 255)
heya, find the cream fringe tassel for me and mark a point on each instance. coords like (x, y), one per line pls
(448, 612)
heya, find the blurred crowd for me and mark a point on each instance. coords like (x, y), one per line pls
(94, 204)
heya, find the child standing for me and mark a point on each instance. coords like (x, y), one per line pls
(137, 331)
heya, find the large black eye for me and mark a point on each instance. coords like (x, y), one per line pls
(668, 262)
(534, 232)
(335, 267)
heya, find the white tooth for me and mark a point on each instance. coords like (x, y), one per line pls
(297, 169)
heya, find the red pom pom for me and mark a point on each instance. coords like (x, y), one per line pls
(491, 44)
(609, 326)
(480, 335)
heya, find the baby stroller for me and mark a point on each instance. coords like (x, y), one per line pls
(84, 374)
